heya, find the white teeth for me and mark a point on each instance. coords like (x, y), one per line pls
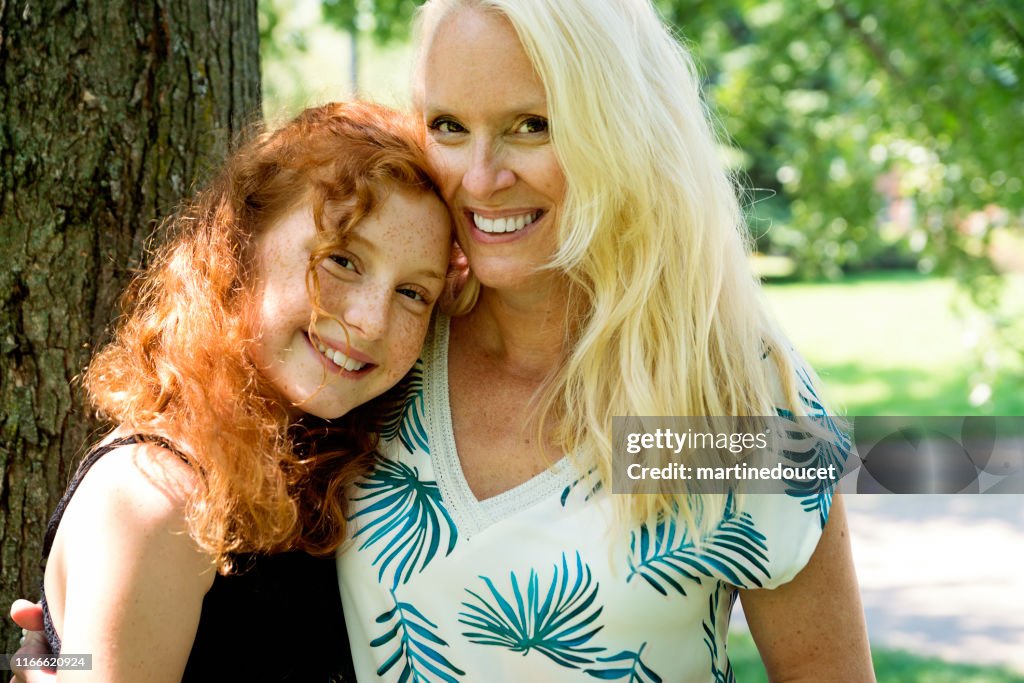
(508, 224)
(340, 359)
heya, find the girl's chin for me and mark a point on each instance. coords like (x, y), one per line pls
(310, 409)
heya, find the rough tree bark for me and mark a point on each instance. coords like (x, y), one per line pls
(109, 113)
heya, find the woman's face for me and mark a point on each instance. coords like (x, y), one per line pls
(382, 286)
(488, 140)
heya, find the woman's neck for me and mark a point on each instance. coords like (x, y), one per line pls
(524, 332)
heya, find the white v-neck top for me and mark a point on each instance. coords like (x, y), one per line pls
(532, 584)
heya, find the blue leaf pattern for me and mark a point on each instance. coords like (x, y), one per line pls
(416, 646)
(407, 516)
(558, 624)
(668, 557)
(406, 419)
(595, 485)
(720, 674)
(815, 494)
(557, 609)
(630, 667)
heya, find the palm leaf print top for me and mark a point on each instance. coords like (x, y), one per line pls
(529, 585)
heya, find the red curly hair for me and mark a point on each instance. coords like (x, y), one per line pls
(178, 366)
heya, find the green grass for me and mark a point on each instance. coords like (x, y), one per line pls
(891, 666)
(890, 344)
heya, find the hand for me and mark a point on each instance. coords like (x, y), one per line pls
(29, 616)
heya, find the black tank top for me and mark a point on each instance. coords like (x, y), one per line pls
(277, 618)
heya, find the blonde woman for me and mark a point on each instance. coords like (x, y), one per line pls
(607, 276)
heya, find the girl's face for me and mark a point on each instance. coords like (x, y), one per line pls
(487, 123)
(382, 286)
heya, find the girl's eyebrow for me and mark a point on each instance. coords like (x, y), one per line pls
(430, 274)
(369, 246)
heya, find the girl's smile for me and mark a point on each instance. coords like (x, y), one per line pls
(377, 293)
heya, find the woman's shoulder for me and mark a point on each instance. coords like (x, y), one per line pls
(810, 456)
(793, 383)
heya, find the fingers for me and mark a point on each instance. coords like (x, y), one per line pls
(35, 646)
(33, 676)
(28, 615)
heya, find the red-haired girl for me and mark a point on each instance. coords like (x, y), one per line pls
(292, 292)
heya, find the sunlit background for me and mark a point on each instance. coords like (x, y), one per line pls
(880, 148)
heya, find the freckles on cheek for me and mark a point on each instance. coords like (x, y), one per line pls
(411, 337)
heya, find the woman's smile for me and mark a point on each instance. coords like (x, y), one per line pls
(490, 144)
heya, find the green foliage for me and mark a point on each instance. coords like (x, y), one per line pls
(878, 135)
(385, 19)
(315, 51)
(826, 97)
(889, 344)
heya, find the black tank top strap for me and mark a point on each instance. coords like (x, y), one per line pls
(88, 461)
(242, 612)
(51, 529)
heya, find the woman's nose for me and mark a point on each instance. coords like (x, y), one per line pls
(488, 171)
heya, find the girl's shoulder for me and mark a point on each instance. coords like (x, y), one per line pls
(124, 571)
(132, 493)
(147, 477)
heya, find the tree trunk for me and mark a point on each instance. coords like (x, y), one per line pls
(110, 112)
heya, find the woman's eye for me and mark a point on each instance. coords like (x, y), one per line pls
(412, 294)
(533, 124)
(343, 261)
(445, 125)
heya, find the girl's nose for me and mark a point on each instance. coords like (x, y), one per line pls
(368, 313)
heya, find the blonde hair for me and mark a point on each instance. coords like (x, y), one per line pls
(651, 237)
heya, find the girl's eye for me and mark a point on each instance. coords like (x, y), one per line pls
(446, 125)
(343, 261)
(412, 294)
(533, 124)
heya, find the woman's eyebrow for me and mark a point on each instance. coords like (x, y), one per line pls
(531, 107)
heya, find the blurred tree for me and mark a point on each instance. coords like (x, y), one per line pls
(301, 56)
(108, 114)
(384, 20)
(870, 134)
(824, 98)
(877, 133)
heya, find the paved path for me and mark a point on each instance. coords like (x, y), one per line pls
(942, 575)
